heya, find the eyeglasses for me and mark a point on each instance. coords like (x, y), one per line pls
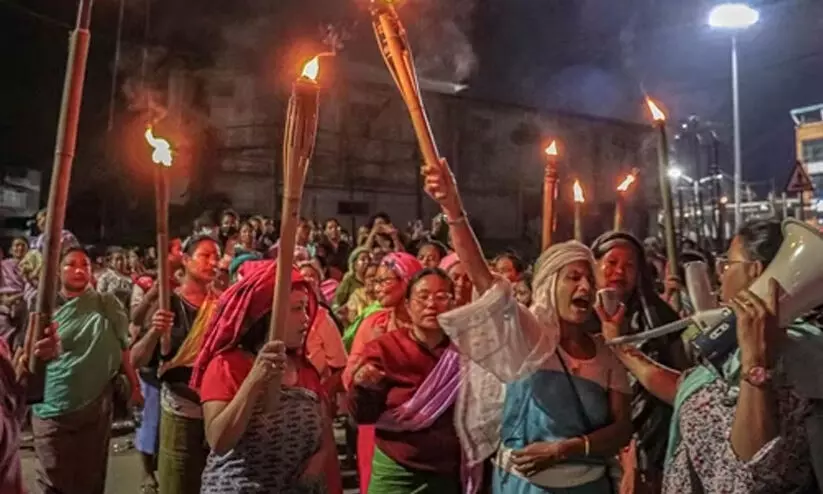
(722, 265)
(386, 281)
(439, 298)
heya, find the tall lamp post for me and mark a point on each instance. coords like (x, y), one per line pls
(734, 17)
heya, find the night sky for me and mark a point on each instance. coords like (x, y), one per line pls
(588, 56)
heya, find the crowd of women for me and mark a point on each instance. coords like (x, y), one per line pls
(450, 372)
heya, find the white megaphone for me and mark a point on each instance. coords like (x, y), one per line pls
(699, 286)
(797, 267)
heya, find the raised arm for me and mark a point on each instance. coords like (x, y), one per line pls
(440, 185)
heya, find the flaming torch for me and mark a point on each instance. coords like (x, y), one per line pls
(396, 51)
(298, 146)
(161, 156)
(666, 194)
(64, 152)
(622, 191)
(579, 199)
(549, 193)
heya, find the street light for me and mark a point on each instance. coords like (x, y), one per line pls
(735, 16)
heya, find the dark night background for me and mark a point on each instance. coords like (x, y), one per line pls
(587, 56)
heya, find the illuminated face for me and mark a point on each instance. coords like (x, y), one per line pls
(310, 275)
(228, 222)
(297, 320)
(505, 268)
(75, 273)
(202, 264)
(618, 269)
(117, 262)
(522, 293)
(369, 282)
(19, 247)
(429, 256)
(41, 221)
(574, 293)
(332, 230)
(430, 296)
(736, 271)
(246, 235)
(462, 284)
(389, 286)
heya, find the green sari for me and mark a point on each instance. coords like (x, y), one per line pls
(351, 331)
(389, 477)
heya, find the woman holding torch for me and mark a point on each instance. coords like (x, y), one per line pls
(289, 450)
(78, 401)
(181, 453)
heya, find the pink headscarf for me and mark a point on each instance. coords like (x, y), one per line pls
(402, 264)
(449, 262)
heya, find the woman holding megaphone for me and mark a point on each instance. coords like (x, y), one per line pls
(750, 424)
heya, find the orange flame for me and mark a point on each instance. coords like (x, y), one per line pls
(552, 149)
(657, 113)
(578, 192)
(626, 183)
(311, 69)
(162, 149)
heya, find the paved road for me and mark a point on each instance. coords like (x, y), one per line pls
(125, 474)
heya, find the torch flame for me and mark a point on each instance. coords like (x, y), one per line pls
(552, 149)
(657, 113)
(578, 192)
(162, 148)
(311, 69)
(624, 185)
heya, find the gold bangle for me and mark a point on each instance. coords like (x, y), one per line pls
(586, 446)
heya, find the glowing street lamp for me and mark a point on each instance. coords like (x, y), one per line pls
(734, 17)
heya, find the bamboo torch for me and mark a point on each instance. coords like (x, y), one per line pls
(396, 51)
(161, 156)
(666, 194)
(620, 202)
(298, 147)
(549, 193)
(58, 195)
(579, 200)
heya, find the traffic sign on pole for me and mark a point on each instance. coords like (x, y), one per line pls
(799, 181)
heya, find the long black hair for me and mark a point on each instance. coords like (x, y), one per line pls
(644, 299)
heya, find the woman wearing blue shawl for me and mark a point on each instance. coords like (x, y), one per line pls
(752, 426)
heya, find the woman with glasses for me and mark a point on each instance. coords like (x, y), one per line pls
(393, 276)
(405, 384)
(741, 427)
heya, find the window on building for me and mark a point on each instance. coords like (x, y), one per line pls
(813, 150)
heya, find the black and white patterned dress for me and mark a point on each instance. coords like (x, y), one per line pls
(271, 454)
(704, 461)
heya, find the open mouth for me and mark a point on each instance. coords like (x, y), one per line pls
(581, 303)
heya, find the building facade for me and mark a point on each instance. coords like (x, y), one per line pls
(808, 129)
(366, 158)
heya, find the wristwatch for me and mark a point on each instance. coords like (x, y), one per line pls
(758, 376)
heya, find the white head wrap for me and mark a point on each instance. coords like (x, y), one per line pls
(492, 335)
(544, 284)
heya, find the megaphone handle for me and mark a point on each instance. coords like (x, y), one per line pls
(664, 330)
